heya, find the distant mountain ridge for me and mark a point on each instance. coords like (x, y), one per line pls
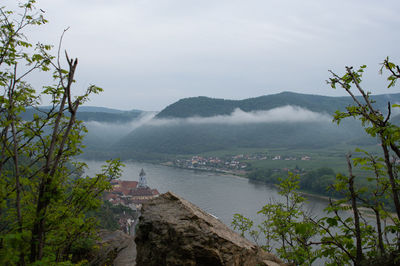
(97, 109)
(93, 113)
(205, 107)
(109, 117)
(180, 136)
(136, 135)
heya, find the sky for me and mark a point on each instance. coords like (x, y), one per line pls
(147, 54)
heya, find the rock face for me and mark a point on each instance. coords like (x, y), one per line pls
(115, 248)
(172, 231)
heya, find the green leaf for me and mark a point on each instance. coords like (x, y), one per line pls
(332, 221)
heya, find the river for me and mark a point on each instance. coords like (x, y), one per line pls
(220, 195)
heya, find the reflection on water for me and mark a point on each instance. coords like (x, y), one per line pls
(220, 195)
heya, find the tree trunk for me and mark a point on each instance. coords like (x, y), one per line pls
(393, 185)
(353, 195)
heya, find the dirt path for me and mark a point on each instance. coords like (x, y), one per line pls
(127, 256)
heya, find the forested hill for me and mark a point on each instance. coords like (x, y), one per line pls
(122, 117)
(93, 113)
(206, 107)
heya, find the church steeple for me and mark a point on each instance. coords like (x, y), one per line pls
(142, 179)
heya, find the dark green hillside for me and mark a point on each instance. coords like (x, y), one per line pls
(198, 106)
(205, 107)
(315, 103)
(187, 138)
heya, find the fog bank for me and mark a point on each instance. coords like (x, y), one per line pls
(284, 114)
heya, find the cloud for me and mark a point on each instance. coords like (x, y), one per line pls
(148, 54)
(284, 114)
(118, 129)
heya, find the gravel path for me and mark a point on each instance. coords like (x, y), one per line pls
(127, 256)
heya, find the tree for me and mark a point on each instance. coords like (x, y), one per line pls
(43, 198)
(339, 238)
(289, 225)
(378, 124)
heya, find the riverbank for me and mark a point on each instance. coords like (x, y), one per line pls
(242, 173)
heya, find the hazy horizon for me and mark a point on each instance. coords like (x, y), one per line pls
(148, 54)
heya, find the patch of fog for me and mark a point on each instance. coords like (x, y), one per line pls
(284, 114)
(118, 129)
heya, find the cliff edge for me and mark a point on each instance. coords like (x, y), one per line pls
(173, 231)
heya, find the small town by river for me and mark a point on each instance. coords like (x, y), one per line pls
(217, 194)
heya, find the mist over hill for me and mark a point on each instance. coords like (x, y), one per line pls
(201, 124)
(205, 107)
(91, 113)
(105, 125)
(185, 138)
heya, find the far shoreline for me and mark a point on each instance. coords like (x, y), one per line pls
(307, 194)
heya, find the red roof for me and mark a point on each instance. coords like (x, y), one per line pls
(141, 191)
(130, 188)
(129, 184)
(109, 196)
(124, 186)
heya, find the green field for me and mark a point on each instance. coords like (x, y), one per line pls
(333, 157)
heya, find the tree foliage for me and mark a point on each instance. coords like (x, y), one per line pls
(43, 198)
(359, 228)
(316, 181)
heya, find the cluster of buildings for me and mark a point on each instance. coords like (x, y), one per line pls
(210, 163)
(131, 194)
(233, 163)
(291, 158)
(264, 156)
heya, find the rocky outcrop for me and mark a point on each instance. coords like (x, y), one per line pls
(172, 231)
(115, 248)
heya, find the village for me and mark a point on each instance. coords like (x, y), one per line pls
(232, 164)
(131, 194)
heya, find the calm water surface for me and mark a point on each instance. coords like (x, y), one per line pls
(220, 195)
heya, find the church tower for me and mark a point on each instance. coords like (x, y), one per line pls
(142, 179)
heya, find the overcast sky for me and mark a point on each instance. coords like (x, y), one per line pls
(147, 54)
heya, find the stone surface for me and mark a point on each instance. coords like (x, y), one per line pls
(127, 256)
(115, 248)
(172, 231)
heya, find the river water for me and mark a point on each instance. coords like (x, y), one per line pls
(220, 195)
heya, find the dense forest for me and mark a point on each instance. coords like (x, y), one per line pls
(316, 181)
(206, 107)
(187, 138)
